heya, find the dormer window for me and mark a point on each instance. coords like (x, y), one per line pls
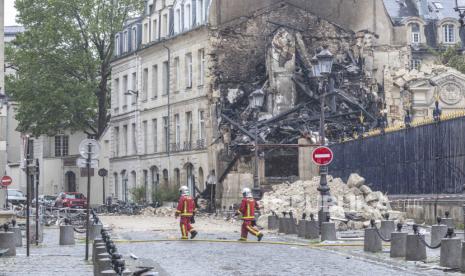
(125, 41)
(449, 33)
(117, 45)
(415, 29)
(134, 38)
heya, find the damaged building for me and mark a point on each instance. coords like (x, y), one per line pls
(198, 84)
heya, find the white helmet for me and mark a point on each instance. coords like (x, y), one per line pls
(184, 190)
(246, 192)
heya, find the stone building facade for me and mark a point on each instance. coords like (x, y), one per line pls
(161, 115)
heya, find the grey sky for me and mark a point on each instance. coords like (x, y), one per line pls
(10, 13)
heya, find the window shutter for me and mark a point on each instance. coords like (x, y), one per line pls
(194, 12)
(139, 35)
(129, 39)
(171, 21)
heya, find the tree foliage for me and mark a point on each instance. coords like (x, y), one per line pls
(63, 63)
(453, 57)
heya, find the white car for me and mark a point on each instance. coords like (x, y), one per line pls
(16, 197)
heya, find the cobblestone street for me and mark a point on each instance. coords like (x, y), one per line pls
(215, 252)
(47, 259)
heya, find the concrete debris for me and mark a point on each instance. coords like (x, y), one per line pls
(352, 206)
(355, 180)
(161, 211)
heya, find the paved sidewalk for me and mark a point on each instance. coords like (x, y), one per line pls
(47, 259)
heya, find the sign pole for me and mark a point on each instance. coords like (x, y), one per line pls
(89, 160)
(28, 194)
(37, 202)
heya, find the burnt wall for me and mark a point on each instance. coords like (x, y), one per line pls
(354, 15)
(240, 46)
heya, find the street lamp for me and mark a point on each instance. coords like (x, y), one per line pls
(256, 100)
(322, 64)
(460, 8)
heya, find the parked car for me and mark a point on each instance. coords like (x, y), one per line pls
(71, 200)
(16, 197)
(46, 200)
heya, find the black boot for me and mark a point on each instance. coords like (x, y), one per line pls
(260, 237)
(193, 234)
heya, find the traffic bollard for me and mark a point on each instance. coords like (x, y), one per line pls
(371, 241)
(18, 236)
(66, 235)
(282, 222)
(415, 249)
(438, 232)
(387, 227)
(291, 227)
(95, 231)
(302, 228)
(273, 222)
(103, 264)
(97, 263)
(398, 244)
(8, 241)
(451, 252)
(328, 231)
(98, 250)
(462, 258)
(312, 231)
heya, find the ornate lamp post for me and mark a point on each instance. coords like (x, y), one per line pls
(460, 8)
(322, 66)
(256, 100)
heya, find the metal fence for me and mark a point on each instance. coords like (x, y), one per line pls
(427, 159)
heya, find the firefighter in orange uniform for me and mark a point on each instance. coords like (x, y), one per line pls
(186, 209)
(247, 210)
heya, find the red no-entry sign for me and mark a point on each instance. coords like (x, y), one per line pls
(6, 181)
(322, 156)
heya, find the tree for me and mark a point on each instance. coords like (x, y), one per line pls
(63, 63)
(453, 57)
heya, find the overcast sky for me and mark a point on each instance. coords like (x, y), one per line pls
(10, 13)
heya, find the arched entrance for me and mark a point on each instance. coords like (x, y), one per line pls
(70, 182)
(133, 184)
(115, 179)
(155, 180)
(124, 185)
(177, 178)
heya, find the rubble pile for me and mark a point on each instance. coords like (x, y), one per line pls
(161, 211)
(352, 205)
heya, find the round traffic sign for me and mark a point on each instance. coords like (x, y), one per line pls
(322, 156)
(89, 146)
(6, 181)
(102, 172)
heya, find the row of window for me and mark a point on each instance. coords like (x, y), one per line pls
(149, 136)
(183, 74)
(448, 33)
(152, 178)
(167, 22)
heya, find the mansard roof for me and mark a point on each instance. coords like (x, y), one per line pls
(435, 10)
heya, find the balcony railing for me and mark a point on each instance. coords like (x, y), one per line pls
(188, 146)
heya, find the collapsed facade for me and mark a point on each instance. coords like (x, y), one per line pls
(210, 79)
